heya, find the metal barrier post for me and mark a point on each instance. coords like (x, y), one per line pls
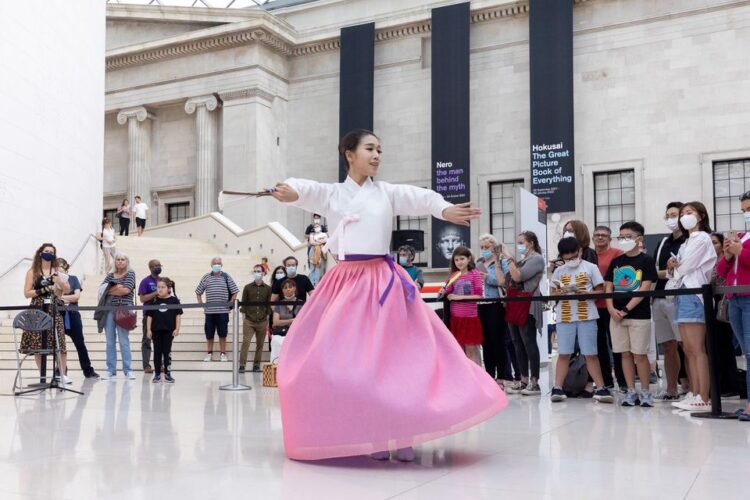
(712, 344)
(235, 385)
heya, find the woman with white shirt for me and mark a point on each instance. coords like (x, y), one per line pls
(376, 364)
(693, 268)
(107, 237)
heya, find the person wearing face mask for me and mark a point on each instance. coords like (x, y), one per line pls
(630, 323)
(73, 323)
(255, 321)
(406, 254)
(493, 266)
(304, 285)
(45, 282)
(218, 287)
(526, 273)
(666, 331)
(146, 295)
(693, 268)
(734, 266)
(577, 319)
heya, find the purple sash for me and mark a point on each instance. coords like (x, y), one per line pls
(410, 289)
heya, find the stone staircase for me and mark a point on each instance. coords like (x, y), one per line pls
(183, 260)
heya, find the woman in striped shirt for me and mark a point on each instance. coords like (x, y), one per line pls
(465, 283)
(120, 293)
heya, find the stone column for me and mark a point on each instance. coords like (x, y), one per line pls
(139, 151)
(206, 194)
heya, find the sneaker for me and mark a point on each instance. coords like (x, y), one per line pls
(406, 454)
(665, 397)
(207, 358)
(64, 379)
(681, 391)
(242, 369)
(696, 404)
(168, 378)
(381, 455)
(223, 358)
(256, 368)
(109, 376)
(515, 388)
(148, 369)
(557, 395)
(531, 390)
(687, 399)
(647, 400)
(631, 399)
(603, 395)
(93, 375)
(130, 375)
(156, 379)
(744, 417)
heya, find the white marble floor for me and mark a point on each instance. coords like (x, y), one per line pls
(137, 440)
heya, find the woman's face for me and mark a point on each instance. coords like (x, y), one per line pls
(717, 246)
(365, 160)
(486, 245)
(521, 242)
(121, 263)
(689, 210)
(568, 229)
(49, 250)
(289, 291)
(162, 290)
(745, 206)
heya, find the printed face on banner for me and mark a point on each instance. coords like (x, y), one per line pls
(448, 238)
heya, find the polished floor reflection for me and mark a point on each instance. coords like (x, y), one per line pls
(134, 439)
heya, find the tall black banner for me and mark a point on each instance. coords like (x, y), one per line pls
(450, 123)
(551, 58)
(356, 87)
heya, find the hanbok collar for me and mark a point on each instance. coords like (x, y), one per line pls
(352, 185)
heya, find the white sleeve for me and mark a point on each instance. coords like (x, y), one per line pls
(415, 201)
(313, 196)
(695, 256)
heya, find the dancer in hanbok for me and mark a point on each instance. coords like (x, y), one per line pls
(367, 367)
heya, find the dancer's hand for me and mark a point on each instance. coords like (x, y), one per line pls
(284, 193)
(461, 214)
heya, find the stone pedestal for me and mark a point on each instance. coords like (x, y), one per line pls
(206, 181)
(139, 151)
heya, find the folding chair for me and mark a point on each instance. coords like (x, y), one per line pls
(33, 320)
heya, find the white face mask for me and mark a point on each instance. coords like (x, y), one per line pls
(672, 223)
(746, 215)
(689, 221)
(569, 234)
(573, 263)
(316, 221)
(626, 245)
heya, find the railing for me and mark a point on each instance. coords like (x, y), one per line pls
(71, 262)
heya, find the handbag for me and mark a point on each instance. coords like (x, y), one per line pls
(722, 310)
(269, 374)
(517, 312)
(126, 319)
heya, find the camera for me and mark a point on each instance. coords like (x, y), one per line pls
(46, 281)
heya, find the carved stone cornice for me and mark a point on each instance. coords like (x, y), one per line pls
(284, 44)
(246, 93)
(209, 101)
(139, 113)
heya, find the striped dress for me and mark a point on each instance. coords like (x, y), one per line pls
(465, 324)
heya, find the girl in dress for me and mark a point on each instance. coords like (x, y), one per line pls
(367, 367)
(465, 324)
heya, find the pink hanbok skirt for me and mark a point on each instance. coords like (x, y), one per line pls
(357, 377)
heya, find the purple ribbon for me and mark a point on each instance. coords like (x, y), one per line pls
(410, 289)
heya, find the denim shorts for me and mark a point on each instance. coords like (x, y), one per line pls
(586, 332)
(689, 309)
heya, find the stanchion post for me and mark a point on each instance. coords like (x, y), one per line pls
(712, 343)
(235, 385)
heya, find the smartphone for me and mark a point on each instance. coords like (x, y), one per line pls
(730, 235)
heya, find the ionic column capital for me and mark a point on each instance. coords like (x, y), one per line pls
(209, 101)
(140, 113)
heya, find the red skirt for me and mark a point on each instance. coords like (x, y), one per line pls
(468, 331)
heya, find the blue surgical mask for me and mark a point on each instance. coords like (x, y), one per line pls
(403, 260)
(257, 276)
(49, 257)
(746, 215)
(291, 270)
(486, 254)
(216, 268)
(522, 250)
(280, 276)
(156, 271)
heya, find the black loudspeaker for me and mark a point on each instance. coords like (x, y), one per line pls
(412, 237)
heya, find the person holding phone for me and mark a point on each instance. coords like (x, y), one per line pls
(493, 266)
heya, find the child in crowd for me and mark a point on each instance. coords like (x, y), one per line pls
(630, 324)
(162, 326)
(465, 324)
(577, 319)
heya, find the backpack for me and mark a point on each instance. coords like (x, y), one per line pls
(577, 377)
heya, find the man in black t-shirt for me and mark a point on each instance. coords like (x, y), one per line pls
(634, 271)
(304, 285)
(666, 331)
